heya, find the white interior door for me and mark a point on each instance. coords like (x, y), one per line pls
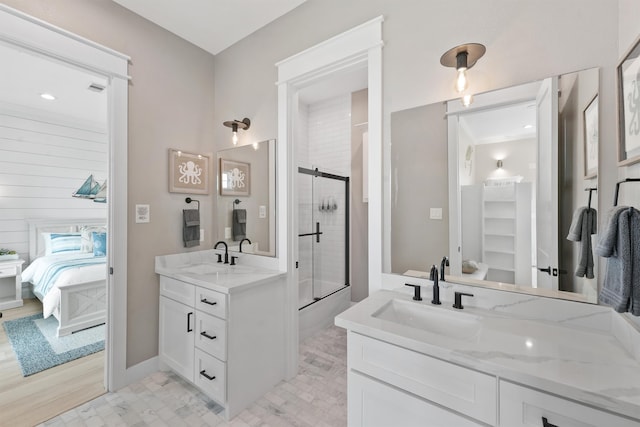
(547, 185)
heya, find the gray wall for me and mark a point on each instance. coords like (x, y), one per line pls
(170, 106)
(419, 171)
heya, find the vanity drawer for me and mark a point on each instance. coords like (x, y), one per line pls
(177, 290)
(523, 407)
(460, 389)
(211, 376)
(8, 271)
(211, 335)
(211, 302)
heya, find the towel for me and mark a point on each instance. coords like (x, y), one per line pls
(191, 227)
(583, 225)
(239, 224)
(620, 243)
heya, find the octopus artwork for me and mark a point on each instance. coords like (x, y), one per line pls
(236, 179)
(634, 106)
(190, 173)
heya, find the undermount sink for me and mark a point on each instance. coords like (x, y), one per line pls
(435, 319)
(203, 269)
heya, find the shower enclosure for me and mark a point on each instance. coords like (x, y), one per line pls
(323, 238)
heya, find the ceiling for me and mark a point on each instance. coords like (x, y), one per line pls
(212, 25)
(501, 124)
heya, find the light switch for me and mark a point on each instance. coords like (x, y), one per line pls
(262, 212)
(143, 214)
(202, 234)
(435, 213)
(227, 232)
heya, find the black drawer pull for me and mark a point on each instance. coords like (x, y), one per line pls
(204, 374)
(204, 300)
(204, 334)
(189, 329)
(546, 423)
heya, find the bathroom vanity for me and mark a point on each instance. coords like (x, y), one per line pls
(412, 363)
(222, 327)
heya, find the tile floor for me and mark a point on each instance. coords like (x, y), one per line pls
(316, 397)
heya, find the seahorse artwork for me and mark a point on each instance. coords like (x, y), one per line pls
(190, 173)
(634, 106)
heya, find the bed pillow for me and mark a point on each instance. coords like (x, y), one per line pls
(99, 243)
(61, 242)
(87, 238)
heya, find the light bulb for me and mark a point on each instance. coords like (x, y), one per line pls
(467, 99)
(461, 80)
(235, 138)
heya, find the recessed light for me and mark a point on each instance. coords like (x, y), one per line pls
(47, 96)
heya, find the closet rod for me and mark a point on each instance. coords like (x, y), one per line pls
(615, 198)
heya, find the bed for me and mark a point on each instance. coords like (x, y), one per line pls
(70, 281)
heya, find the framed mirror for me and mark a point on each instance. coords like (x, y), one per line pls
(246, 195)
(498, 188)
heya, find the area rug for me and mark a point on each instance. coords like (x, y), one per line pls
(37, 348)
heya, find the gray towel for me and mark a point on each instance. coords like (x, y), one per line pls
(620, 243)
(191, 227)
(583, 225)
(239, 224)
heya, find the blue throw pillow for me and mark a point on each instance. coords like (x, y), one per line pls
(99, 243)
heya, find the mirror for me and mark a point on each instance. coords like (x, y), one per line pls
(247, 197)
(496, 187)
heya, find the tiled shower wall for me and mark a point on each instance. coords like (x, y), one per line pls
(324, 142)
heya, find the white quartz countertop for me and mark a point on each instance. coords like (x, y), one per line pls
(586, 365)
(199, 268)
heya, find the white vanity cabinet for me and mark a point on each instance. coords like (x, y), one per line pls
(524, 407)
(387, 381)
(230, 345)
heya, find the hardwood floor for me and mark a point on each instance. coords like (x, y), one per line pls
(39, 397)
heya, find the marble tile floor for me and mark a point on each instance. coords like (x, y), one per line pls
(316, 397)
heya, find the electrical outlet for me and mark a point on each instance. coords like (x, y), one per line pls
(202, 234)
(227, 232)
(435, 213)
(262, 211)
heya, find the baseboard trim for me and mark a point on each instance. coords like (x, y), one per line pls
(141, 370)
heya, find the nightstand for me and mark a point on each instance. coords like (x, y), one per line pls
(11, 283)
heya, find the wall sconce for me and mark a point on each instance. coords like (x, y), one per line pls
(463, 57)
(499, 164)
(237, 124)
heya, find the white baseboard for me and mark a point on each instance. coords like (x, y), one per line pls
(141, 370)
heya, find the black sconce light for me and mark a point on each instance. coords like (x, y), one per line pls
(237, 124)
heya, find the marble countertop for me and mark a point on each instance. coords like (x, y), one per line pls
(199, 268)
(587, 365)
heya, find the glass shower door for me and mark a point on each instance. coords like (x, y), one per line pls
(323, 245)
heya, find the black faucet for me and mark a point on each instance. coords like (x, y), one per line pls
(445, 262)
(245, 239)
(226, 252)
(416, 291)
(457, 299)
(433, 276)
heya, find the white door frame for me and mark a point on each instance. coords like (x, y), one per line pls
(351, 49)
(32, 34)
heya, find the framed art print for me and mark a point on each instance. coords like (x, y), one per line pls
(235, 178)
(590, 119)
(629, 106)
(188, 172)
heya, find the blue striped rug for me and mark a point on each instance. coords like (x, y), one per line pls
(37, 348)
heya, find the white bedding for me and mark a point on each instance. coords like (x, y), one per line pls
(39, 274)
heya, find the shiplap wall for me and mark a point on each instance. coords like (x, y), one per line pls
(43, 160)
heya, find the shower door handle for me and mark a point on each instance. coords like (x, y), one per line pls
(317, 233)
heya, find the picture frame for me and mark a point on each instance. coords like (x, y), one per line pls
(235, 178)
(628, 76)
(590, 118)
(188, 172)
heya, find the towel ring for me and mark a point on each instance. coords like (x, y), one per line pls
(236, 202)
(615, 198)
(189, 200)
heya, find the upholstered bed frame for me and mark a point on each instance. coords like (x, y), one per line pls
(82, 305)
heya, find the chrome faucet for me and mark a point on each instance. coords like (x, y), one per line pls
(226, 252)
(433, 276)
(445, 262)
(245, 239)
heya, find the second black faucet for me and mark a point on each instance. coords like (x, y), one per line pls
(433, 276)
